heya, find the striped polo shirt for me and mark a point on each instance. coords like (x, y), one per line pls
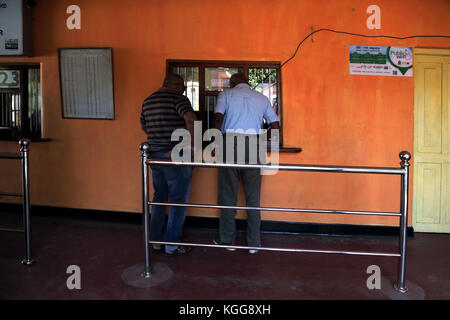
(162, 113)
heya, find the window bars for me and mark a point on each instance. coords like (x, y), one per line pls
(403, 172)
(25, 195)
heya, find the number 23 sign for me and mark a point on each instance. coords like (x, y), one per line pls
(9, 79)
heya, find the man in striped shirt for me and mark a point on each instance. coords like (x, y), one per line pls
(164, 111)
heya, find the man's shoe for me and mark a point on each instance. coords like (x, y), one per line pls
(253, 251)
(218, 242)
(178, 252)
(157, 248)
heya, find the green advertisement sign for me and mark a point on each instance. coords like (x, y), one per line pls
(381, 61)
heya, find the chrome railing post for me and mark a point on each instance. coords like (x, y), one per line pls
(401, 284)
(26, 201)
(145, 148)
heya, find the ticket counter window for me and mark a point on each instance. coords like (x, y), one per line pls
(20, 102)
(205, 80)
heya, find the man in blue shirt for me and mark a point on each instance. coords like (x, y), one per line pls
(241, 109)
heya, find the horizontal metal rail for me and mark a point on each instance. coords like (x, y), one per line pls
(197, 205)
(4, 155)
(12, 230)
(403, 172)
(7, 194)
(358, 253)
(23, 156)
(282, 167)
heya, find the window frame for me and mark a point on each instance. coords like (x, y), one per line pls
(23, 130)
(245, 65)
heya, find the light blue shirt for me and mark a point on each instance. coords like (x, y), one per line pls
(244, 109)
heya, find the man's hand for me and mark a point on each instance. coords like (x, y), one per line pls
(190, 117)
(218, 120)
(273, 125)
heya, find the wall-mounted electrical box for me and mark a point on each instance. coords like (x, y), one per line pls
(15, 28)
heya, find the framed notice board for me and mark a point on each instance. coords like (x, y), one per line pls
(86, 76)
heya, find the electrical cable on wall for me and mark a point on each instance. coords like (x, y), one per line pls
(358, 35)
(352, 34)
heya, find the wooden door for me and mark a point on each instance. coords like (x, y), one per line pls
(431, 189)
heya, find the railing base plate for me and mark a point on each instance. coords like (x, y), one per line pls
(28, 262)
(401, 290)
(136, 277)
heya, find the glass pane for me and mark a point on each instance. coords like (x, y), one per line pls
(217, 79)
(9, 110)
(264, 80)
(34, 99)
(191, 80)
(210, 105)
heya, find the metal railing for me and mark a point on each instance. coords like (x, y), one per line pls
(25, 195)
(403, 172)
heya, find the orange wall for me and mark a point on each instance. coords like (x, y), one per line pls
(337, 118)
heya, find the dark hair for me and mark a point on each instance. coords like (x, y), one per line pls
(172, 79)
(239, 78)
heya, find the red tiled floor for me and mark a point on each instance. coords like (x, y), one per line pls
(105, 250)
